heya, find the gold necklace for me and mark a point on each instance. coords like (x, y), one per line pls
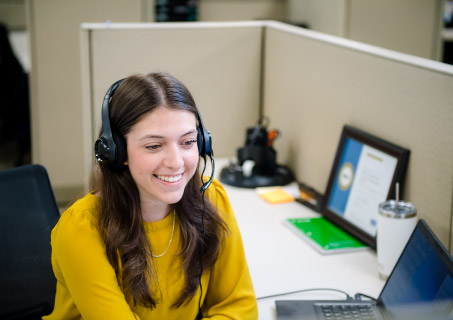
(171, 238)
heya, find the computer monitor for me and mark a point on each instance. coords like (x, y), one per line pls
(364, 173)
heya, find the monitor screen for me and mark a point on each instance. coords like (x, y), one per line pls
(365, 171)
(363, 181)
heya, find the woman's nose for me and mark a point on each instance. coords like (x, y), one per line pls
(173, 157)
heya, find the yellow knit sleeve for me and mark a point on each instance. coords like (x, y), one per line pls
(87, 287)
(230, 294)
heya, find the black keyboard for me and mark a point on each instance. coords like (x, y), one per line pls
(349, 312)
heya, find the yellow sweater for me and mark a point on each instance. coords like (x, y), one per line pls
(87, 287)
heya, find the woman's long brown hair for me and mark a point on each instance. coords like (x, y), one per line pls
(120, 221)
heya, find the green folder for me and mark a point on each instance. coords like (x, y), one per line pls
(324, 235)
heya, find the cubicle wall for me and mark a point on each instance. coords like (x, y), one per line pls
(313, 85)
(219, 63)
(317, 83)
(55, 86)
(409, 26)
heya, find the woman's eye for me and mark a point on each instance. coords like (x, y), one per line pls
(153, 147)
(190, 142)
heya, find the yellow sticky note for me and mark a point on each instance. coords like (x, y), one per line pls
(275, 195)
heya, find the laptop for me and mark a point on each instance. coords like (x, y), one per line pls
(419, 287)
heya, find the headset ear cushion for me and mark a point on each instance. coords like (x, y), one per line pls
(208, 144)
(121, 150)
(200, 142)
(204, 142)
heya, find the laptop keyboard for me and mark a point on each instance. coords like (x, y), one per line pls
(349, 312)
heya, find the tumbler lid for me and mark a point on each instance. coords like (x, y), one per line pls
(397, 209)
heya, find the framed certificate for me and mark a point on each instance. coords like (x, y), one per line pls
(364, 173)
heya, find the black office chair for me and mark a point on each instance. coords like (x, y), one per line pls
(28, 212)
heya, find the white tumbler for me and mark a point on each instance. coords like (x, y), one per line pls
(396, 221)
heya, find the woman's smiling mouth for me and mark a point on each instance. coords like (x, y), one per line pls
(169, 178)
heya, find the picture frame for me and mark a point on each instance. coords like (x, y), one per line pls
(365, 171)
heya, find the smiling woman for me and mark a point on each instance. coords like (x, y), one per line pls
(145, 243)
(162, 158)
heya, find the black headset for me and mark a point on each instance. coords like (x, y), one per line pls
(110, 148)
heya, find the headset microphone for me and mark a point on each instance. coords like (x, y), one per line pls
(206, 184)
(205, 149)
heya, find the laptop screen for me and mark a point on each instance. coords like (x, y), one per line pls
(422, 276)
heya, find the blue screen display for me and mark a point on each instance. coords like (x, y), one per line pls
(422, 276)
(339, 196)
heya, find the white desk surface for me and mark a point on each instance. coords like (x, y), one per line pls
(280, 261)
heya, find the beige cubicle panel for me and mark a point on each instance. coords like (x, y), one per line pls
(317, 83)
(55, 83)
(409, 26)
(227, 10)
(220, 63)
